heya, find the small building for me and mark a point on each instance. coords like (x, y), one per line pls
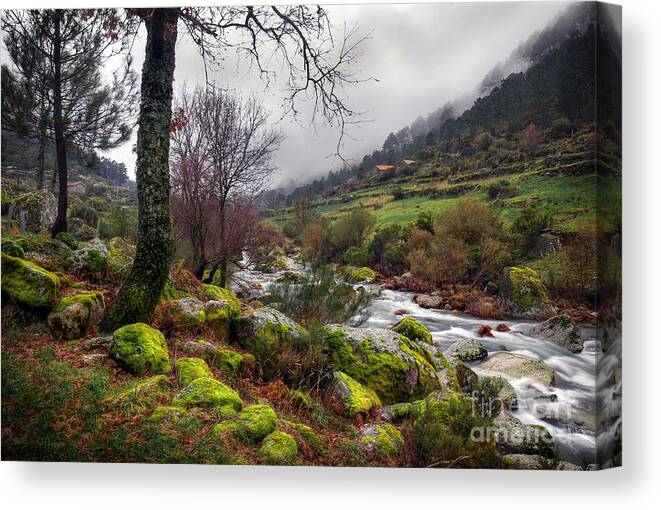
(409, 162)
(76, 187)
(384, 168)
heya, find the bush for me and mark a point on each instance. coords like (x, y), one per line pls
(562, 126)
(357, 256)
(119, 222)
(388, 249)
(425, 221)
(351, 229)
(315, 243)
(441, 432)
(529, 224)
(320, 300)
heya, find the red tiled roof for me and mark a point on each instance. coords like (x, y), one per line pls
(409, 162)
(383, 168)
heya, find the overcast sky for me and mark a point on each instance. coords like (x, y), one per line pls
(422, 55)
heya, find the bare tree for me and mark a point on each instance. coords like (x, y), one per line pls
(239, 147)
(299, 39)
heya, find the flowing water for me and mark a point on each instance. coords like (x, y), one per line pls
(567, 407)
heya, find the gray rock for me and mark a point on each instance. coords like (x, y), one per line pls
(513, 436)
(561, 331)
(518, 365)
(466, 349)
(97, 342)
(80, 230)
(523, 461)
(40, 208)
(427, 301)
(545, 244)
(189, 310)
(94, 359)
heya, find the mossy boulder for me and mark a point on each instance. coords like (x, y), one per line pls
(80, 230)
(12, 248)
(223, 358)
(383, 440)
(278, 448)
(74, 315)
(518, 366)
(413, 330)
(219, 316)
(352, 274)
(397, 412)
(40, 209)
(188, 311)
(354, 398)
(523, 294)
(163, 414)
(140, 394)
(513, 436)
(216, 293)
(466, 349)
(304, 434)
(254, 423)
(92, 259)
(265, 331)
(394, 367)
(189, 369)
(208, 393)
(561, 331)
(28, 284)
(291, 277)
(140, 349)
(67, 239)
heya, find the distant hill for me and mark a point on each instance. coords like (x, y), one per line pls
(549, 76)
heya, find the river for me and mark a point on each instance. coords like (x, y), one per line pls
(567, 408)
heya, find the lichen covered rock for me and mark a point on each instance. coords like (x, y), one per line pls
(278, 448)
(140, 349)
(394, 367)
(40, 208)
(92, 259)
(396, 412)
(353, 274)
(219, 317)
(139, 394)
(518, 365)
(354, 398)
(28, 284)
(167, 414)
(266, 330)
(216, 293)
(513, 436)
(523, 295)
(188, 311)
(209, 393)
(80, 230)
(561, 331)
(413, 330)
(222, 358)
(12, 248)
(74, 315)
(383, 440)
(255, 422)
(466, 349)
(189, 369)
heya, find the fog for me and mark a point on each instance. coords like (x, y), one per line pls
(419, 56)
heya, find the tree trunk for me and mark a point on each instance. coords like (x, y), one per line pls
(60, 145)
(41, 157)
(223, 245)
(142, 289)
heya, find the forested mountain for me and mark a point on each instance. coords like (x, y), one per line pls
(556, 80)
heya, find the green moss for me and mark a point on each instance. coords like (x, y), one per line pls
(305, 433)
(385, 440)
(358, 274)
(140, 349)
(386, 373)
(12, 248)
(527, 289)
(228, 428)
(139, 395)
(67, 239)
(278, 448)
(220, 294)
(300, 399)
(413, 330)
(119, 262)
(28, 284)
(167, 413)
(209, 393)
(74, 315)
(189, 369)
(257, 421)
(95, 263)
(228, 360)
(442, 405)
(397, 412)
(90, 300)
(356, 398)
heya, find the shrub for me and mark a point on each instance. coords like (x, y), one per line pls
(357, 256)
(119, 221)
(351, 229)
(425, 221)
(319, 300)
(441, 432)
(315, 243)
(528, 225)
(561, 126)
